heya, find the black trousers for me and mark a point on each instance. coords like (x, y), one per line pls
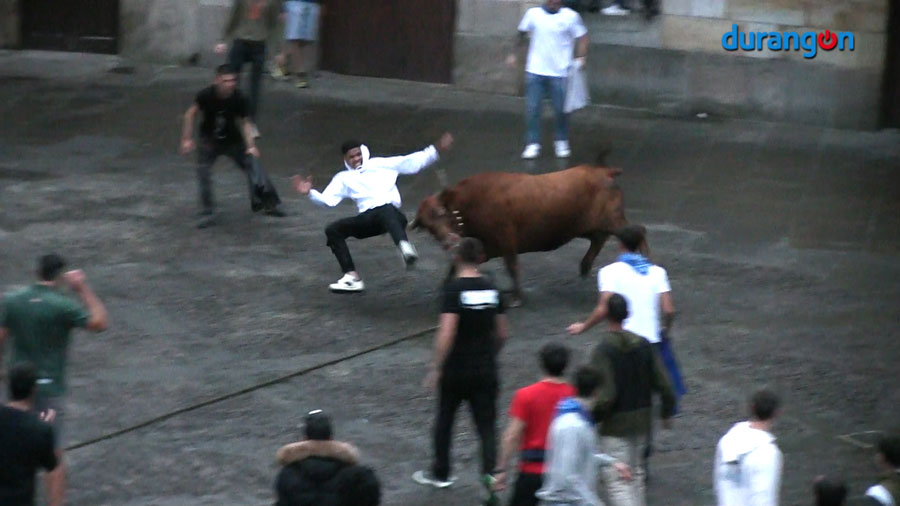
(527, 484)
(253, 52)
(377, 221)
(262, 192)
(482, 398)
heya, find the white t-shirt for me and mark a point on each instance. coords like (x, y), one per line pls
(641, 292)
(552, 40)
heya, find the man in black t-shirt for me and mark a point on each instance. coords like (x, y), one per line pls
(26, 441)
(472, 331)
(225, 130)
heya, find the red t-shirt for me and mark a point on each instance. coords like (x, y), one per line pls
(535, 405)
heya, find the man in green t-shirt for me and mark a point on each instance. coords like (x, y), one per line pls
(39, 319)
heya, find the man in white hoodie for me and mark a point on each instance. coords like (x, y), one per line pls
(372, 184)
(748, 463)
(572, 457)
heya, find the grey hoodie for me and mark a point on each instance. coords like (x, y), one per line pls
(572, 461)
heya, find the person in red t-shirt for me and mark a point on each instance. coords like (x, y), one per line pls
(530, 415)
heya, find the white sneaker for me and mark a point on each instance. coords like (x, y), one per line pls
(531, 151)
(615, 10)
(347, 284)
(425, 478)
(408, 253)
(562, 149)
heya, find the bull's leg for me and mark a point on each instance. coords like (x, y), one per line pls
(597, 242)
(512, 267)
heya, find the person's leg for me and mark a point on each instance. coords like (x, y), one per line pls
(206, 157)
(483, 403)
(449, 399)
(55, 481)
(303, 61)
(361, 226)
(557, 88)
(534, 93)
(394, 221)
(258, 62)
(237, 56)
(627, 450)
(527, 485)
(262, 192)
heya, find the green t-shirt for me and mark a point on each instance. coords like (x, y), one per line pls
(39, 320)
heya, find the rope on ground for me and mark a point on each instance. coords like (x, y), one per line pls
(247, 390)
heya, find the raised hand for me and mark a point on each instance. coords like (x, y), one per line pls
(302, 185)
(444, 143)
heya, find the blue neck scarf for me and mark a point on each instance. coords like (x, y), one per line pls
(570, 405)
(637, 261)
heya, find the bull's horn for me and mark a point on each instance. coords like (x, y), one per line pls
(414, 224)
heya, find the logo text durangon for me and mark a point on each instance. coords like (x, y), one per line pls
(810, 42)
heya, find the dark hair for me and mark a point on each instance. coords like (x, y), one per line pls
(50, 266)
(22, 381)
(889, 447)
(554, 358)
(225, 68)
(470, 251)
(617, 308)
(830, 491)
(632, 236)
(349, 144)
(318, 426)
(586, 381)
(764, 404)
(358, 486)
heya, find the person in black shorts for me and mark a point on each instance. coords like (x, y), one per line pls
(26, 441)
(226, 130)
(472, 331)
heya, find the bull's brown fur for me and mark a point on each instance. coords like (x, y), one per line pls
(514, 213)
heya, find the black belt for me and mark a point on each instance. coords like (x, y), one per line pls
(534, 456)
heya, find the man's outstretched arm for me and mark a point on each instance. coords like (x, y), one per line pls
(415, 162)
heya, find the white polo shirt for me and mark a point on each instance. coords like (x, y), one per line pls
(552, 40)
(642, 293)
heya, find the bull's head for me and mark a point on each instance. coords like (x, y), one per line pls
(437, 220)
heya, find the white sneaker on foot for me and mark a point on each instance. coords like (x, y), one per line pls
(347, 284)
(408, 253)
(531, 151)
(615, 10)
(562, 149)
(426, 478)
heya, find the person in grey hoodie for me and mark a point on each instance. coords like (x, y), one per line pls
(748, 463)
(570, 478)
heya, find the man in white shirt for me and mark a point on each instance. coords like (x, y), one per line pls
(748, 463)
(554, 31)
(372, 184)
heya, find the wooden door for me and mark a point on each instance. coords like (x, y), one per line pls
(402, 39)
(90, 26)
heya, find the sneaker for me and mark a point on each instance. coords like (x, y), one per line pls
(301, 81)
(408, 253)
(426, 478)
(531, 151)
(278, 73)
(615, 10)
(562, 149)
(274, 211)
(347, 284)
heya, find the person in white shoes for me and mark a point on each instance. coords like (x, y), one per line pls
(748, 463)
(554, 32)
(372, 184)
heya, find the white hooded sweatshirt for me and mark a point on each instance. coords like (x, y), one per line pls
(748, 466)
(375, 183)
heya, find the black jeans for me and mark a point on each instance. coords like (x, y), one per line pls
(527, 484)
(377, 221)
(253, 52)
(482, 398)
(262, 192)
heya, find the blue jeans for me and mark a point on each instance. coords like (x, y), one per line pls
(536, 88)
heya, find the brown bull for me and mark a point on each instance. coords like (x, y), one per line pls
(514, 213)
